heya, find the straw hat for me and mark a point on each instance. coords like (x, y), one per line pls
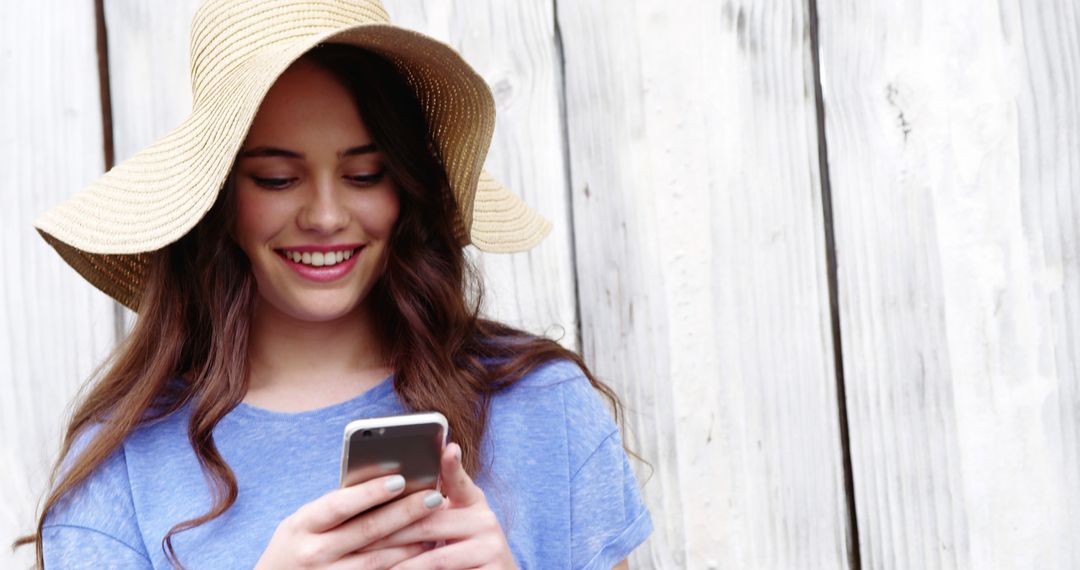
(238, 49)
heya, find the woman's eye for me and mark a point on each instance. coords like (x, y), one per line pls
(366, 179)
(273, 183)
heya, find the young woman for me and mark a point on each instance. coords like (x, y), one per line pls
(294, 253)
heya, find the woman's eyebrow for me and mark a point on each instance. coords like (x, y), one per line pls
(357, 150)
(270, 151)
(264, 151)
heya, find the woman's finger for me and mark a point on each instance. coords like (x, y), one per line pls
(464, 554)
(456, 483)
(340, 505)
(380, 559)
(453, 524)
(362, 531)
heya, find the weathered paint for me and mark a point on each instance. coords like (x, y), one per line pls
(954, 148)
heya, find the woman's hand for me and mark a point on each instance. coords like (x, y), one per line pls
(328, 532)
(468, 534)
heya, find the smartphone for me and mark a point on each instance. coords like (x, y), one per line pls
(410, 445)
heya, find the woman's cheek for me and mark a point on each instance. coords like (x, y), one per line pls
(382, 213)
(259, 214)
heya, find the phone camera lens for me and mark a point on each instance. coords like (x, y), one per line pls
(366, 433)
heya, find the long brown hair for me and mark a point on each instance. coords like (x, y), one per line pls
(189, 344)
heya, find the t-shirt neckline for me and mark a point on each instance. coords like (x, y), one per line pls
(370, 397)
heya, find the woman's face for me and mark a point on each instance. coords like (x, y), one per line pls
(315, 204)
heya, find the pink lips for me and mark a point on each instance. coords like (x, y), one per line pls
(324, 274)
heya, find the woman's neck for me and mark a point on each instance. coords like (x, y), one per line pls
(297, 365)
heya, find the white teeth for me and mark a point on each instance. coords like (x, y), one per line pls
(318, 258)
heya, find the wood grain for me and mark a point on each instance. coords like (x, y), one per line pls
(56, 327)
(701, 271)
(148, 69)
(954, 151)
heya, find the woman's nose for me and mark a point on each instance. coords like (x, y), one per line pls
(323, 211)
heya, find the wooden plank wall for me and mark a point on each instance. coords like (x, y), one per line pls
(678, 151)
(701, 271)
(55, 327)
(954, 151)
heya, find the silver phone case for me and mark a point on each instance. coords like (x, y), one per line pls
(410, 445)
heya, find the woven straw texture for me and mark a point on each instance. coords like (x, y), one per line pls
(238, 49)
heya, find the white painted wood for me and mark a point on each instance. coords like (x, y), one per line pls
(701, 271)
(148, 69)
(954, 136)
(56, 327)
(954, 150)
(512, 45)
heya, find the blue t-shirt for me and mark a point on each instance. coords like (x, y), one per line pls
(559, 481)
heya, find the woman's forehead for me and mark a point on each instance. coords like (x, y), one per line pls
(308, 106)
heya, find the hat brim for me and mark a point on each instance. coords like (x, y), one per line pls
(155, 197)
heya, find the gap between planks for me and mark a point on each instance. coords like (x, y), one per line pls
(107, 144)
(854, 555)
(560, 74)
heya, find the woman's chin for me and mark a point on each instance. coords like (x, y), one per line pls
(318, 309)
(326, 313)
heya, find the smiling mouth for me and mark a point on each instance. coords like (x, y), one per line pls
(319, 258)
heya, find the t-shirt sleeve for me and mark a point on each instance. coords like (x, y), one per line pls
(608, 516)
(76, 547)
(94, 525)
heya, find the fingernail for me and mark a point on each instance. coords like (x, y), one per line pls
(395, 483)
(457, 452)
(433, 499)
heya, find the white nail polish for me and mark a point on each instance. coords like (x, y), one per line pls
(395, 483)
(433, 499)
